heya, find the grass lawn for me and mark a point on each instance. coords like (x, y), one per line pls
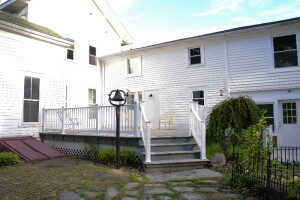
(47, 179)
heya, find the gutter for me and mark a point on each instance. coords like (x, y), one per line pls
(214, 35)
(10, 27)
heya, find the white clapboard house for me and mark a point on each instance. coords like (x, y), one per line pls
(260, 61)
(59, 83)
(41, 68)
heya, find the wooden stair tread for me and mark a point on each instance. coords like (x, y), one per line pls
(173, 152)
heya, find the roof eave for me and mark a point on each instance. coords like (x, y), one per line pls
(34, 34)
(215, 35)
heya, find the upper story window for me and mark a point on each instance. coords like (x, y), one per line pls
(31, 99)
(129, 99)
(133, 66)
(92, 56)
(195, 56)
(285, 51)
(198, 96)
(70, 54)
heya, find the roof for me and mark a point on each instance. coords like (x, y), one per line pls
(209, 35)
(17, 20)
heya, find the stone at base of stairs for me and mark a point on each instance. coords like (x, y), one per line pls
(175, 165)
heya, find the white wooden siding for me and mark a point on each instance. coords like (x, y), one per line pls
(167, 69)
(21, 56)
(250, 62)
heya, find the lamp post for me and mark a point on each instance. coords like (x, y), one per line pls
(117, 101)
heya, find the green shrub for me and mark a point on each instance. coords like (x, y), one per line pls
(8, 158)
(213, 148)
(106, 156)
(127, 158)
(231, 115)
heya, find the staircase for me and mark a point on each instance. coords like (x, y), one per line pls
(173, 152)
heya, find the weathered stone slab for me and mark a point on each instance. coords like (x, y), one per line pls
(129, 198)
(131, 185)
(157, 191)
(184, 189)
(165, 198)
(131, 192)
(192, 196)
(154, 185)
(69, 195)
(181, 183)
(111, 193)
(148, 197)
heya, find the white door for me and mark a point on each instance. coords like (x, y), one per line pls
(289, 123)
(152, 107)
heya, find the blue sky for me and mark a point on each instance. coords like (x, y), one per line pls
(155, 21)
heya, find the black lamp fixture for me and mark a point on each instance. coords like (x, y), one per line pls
(118, 100)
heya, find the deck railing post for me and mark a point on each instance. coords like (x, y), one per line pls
(203, 140)
(148, 142)
(43, 120)
(135, 116)
(97, 118)
(63, 120)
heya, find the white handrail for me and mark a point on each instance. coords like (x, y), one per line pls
(91, 119)
(199, 134)
(145, 133)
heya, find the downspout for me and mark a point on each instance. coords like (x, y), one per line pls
(226, 70)
(102, 76)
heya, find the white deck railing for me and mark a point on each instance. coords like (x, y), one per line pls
(145, 132)
(91, 119)
(197, 128)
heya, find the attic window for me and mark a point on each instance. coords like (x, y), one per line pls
(133, 66)
(285, 51)
(70, 54)
(92, 56)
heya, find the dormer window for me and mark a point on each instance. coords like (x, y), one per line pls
(92, 56)
(70, 54)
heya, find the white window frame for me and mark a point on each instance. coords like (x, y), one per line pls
(202, 54)
(21, 122)
(93, 56)
(204, 96)
(272, 58)
(93, 104)
(139, 73)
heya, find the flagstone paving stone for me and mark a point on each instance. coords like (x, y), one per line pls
(69, 195)
(157, 191)
(181, 183)
(129, 198)
(184, 189)
(111, 192)
(132, 192)
(192, 196)
(148, 197)
(164, 198)
(131, 185)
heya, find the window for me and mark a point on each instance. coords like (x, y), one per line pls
(140, 96)
(70, 54)
(92, 56)
(129, 99)
(269, 113)
(198, 96)
(289, 113)
(285, 51)
(31, 99)
(133, 66)
(194, 56)
(92, 103)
